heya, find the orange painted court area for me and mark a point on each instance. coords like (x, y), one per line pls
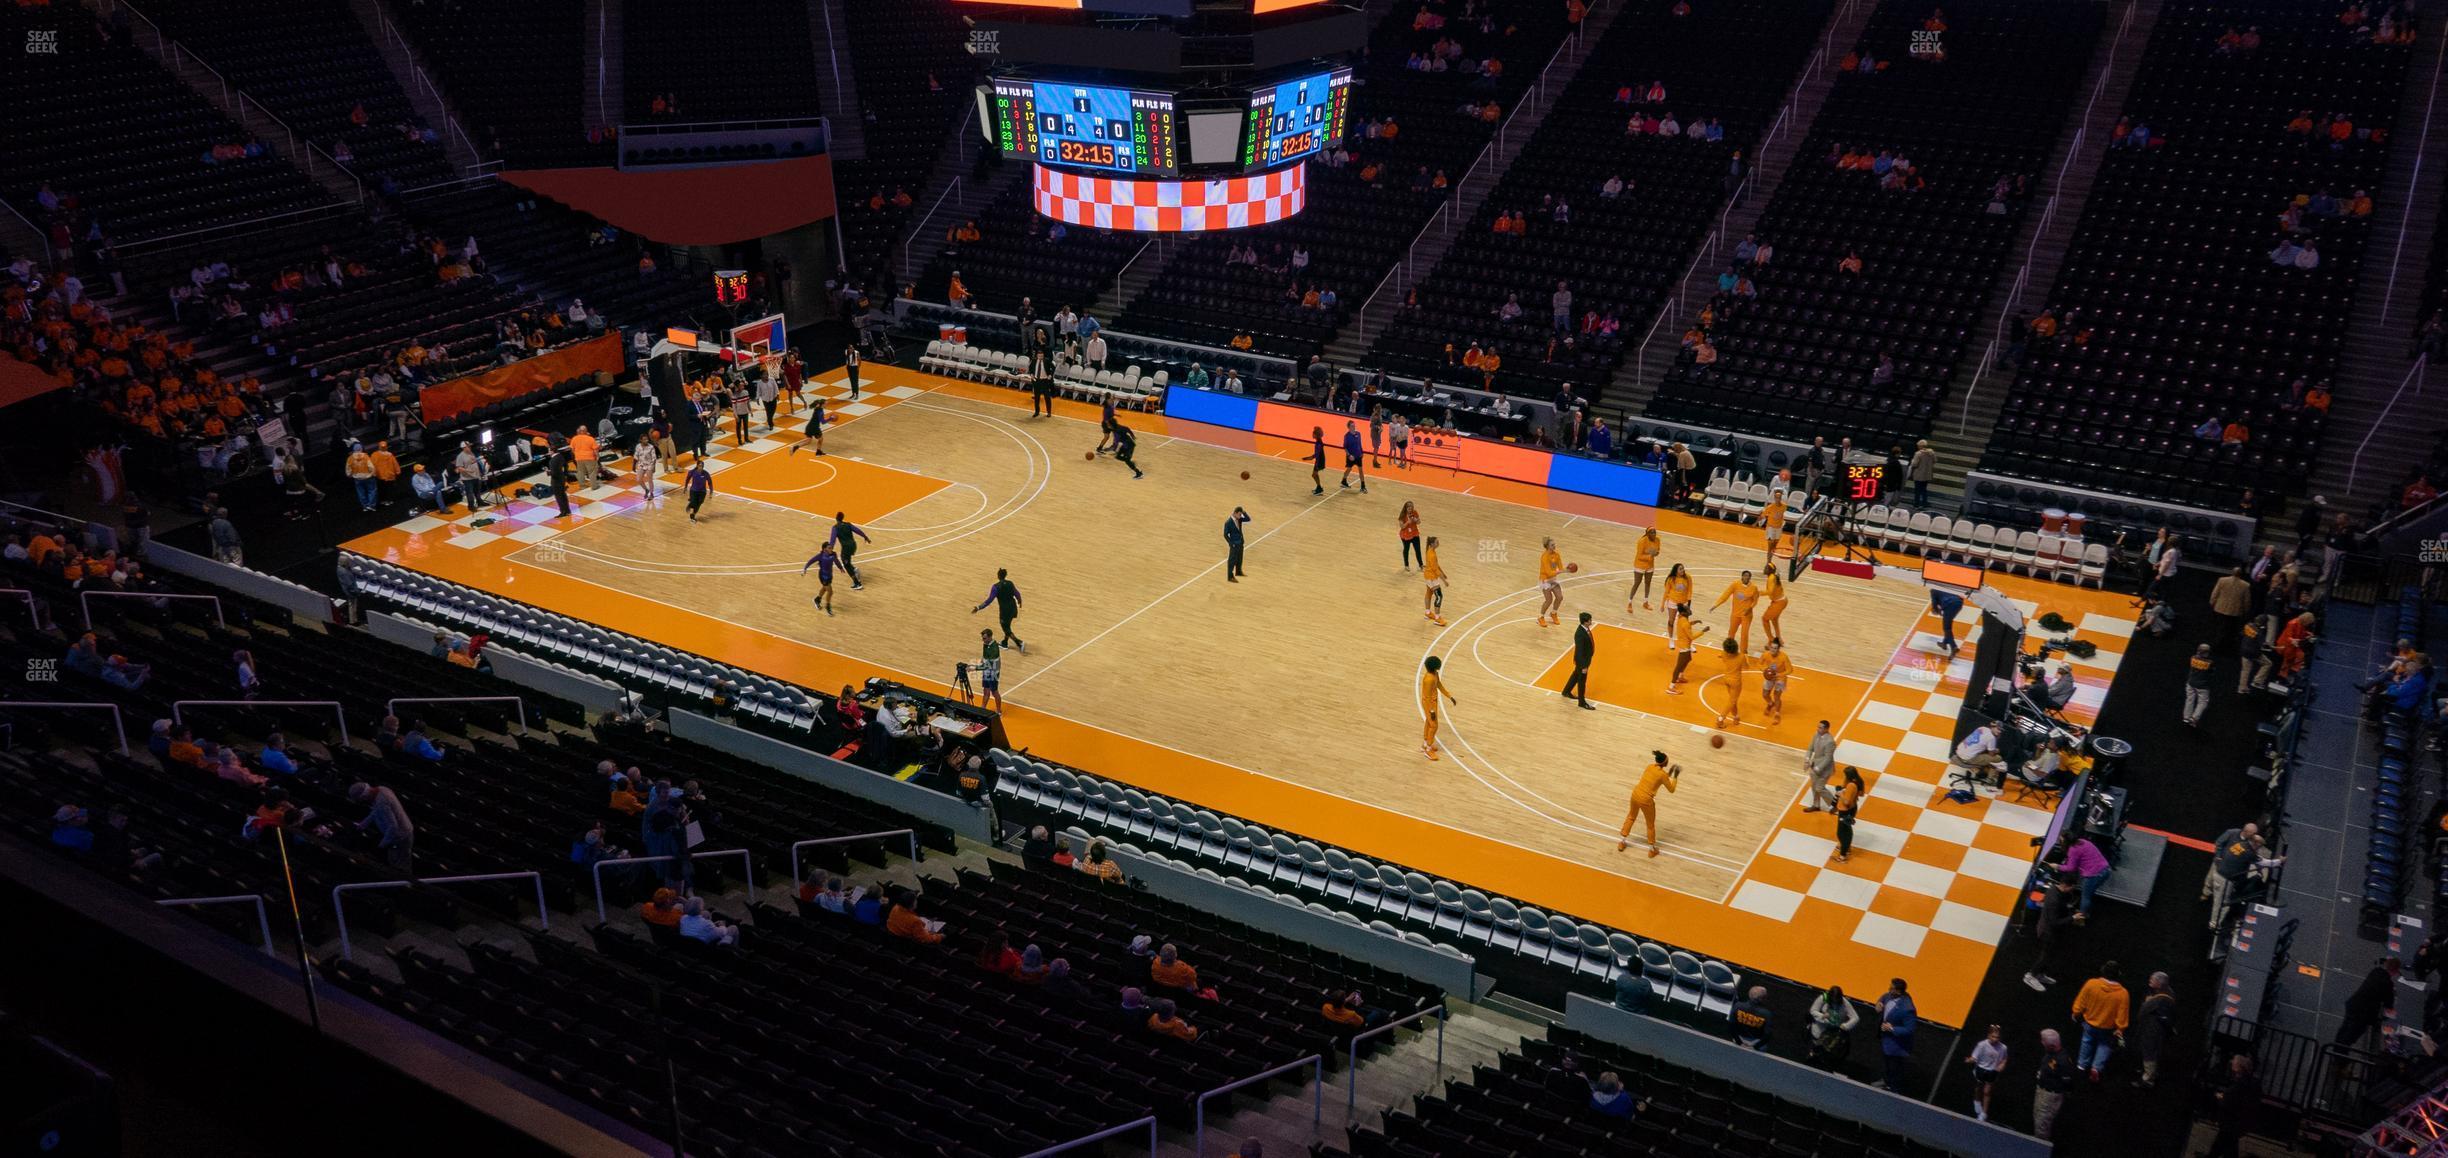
(1929, 901)
(1631, 668)
(824, 484)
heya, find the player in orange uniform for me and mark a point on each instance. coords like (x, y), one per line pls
(1773, 589)
(1644, 568)
(1683, 636)
(1432, 600)
(1772, 524)
(1432, 686)
(1745, 597)
(1678, 597)
(1735, 664)
(1551, 590)
(1659, 774)
(1775, 667)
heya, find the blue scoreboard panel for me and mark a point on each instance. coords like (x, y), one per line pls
(1083, 126)
(1295, 118)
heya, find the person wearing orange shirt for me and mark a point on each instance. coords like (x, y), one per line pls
(1644, 569)
(1166, 1020)
(386, 469)
(1772, 619)
(1772, 525)
(583, 450)
(1551, 589)
(2317, 398)
(1432, 686)
(904, 922)
(360, 471)
(1745, 597)
(1683, 638)
(1775, 668)
(1736, 663)
(1432, 601)
(1659, 774)
(663, 909)
(1678, 596)
(1169, 971)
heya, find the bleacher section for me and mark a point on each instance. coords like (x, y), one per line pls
(1619, 255)
(916, 82)
(2170, 310)
(1974, 106)
(101, 124)
(765, 72)
(1353, 228)
(513, 73)
(1014, 258)
(312, 65)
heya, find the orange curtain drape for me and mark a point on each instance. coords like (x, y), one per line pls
(446, 400)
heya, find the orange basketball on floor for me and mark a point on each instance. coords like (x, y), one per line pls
(1245, 476)
(1090, 456)
(1717, 740)
(1572, 566)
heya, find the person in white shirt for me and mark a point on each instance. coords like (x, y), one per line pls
(1614, 187)
(697, 926)
(647, 464)
(1232, 382)
(1096, 351)
(1670, 127)
(1979, 751)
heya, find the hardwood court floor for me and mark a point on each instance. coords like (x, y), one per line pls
(1289, 697)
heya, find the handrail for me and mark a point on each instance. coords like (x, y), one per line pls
(1101, 1135)
(1351, 1096)
(85, 601)
(118, 721)
(340, 910)
(1136, 254)
(263, 919)
(2388, 297)
(336, 208)
(911, 833)
(660, 128)
(1317, 1113)
(2415, 375)
(390, 707)
(177, 707)
(314, 150)
(467, 180)
(408, 52)
(603, 913)
(919, 230)
(41, 237)
(33, 608)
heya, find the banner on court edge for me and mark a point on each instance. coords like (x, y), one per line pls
(1482, 456)
(444, 400)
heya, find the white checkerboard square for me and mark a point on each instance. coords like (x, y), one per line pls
(534, 534)
(1946, 826)
(1969, 923)
(1793, 845)
(903, 392)
(1887, 715)
(421, 524)
(598, 511)
(1901, 789)
(1865, 757)
(1879, 931)
(1878, 838)
(1914, 877)
(2019, 818)
(1850, 891)
(1766, 900)
(2113, 626)
(856, 409)
(1981, 864)
(471, 539)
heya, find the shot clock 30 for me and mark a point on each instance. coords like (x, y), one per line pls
(731, 287)
(1865, 482)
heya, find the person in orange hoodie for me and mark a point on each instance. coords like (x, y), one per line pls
(904, 922)
(1169, 971)
(1167, 1020)
(662, 909)
(2104, 1009)
(582, 452)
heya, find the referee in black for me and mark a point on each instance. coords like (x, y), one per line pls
(1004, 597)
(1585, 648)
(1232, 544)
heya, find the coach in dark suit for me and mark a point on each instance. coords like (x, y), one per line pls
(1232, 544)
(1585, 648)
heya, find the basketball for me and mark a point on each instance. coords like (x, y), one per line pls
(1717, 740)
(1089, 456)
(1572, 566)
(1245, 476)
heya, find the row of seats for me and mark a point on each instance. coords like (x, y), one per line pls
(2390, 844)
(2173, 249)
(1931, 251)
(1225, 848)
(515, 74)
(914, 88)
(1932, 536)
(590, 646)
(1619, 256)
(1131, 388)
(744, 60)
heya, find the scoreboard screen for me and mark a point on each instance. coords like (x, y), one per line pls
(1865, 482)
(1296, 118)
(1080, 126)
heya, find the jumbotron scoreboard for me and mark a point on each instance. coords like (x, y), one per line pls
(1086, 126)
(1296, 118)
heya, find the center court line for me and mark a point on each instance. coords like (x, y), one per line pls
(1185, 585)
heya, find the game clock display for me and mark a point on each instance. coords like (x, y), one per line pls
(1077, 126)
(731, 286)
(1296, 118)
(1865, 482)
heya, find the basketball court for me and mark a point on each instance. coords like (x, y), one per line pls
(1289, 698)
